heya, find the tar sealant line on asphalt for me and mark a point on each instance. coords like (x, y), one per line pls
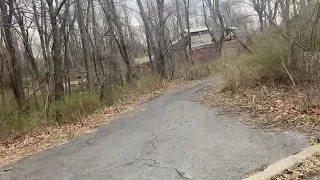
(280, 166)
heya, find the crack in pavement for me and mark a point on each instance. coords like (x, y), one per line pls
(181, 174)
(173, 129)
(157, 164)
(143, 147)
(180, 124)
(153, 163)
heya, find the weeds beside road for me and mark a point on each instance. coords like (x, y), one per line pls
(276, 85)
(25, 134)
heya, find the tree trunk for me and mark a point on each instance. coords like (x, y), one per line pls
(270, 14)
(161, 40)
(285, 5)
(260, 7)
(260, 15)
(149, 37)
(44, 32)
(186, 9)
(65, 24)
(122, 44)
(303, 6)
(164, 64)
(86, 47)
(57, 60)
(295, 11)
(179, 19)
(16, 80)
(210, 24)
(313, 37)
(287, 16)
(26, 43)
(97, 43)
(221, 22)
(113, 60)
(213, 17)
(3, 102)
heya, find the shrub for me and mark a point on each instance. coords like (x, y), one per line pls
(81, 103)
(196, 71)
(145, 83)
(73, 107)
(16, 123)
(264, 65)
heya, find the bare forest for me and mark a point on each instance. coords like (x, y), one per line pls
(62, 59)
(70, 66)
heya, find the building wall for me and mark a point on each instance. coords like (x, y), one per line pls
(200, 39)
(209, 53)
(205, 53)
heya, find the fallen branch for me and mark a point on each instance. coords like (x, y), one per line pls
(287, 71)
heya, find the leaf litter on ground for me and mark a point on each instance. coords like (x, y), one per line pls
(271, 108)
(50, 136)
(302, 171)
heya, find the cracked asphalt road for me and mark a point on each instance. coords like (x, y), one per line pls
(171, 137)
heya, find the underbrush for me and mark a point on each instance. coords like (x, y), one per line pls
(16, 123)
(268, 107)
(146, 83)
(277, 84)
(266, 64)
(79, 104)
(195, 71)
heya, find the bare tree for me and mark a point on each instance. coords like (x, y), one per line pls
(24, 32)
(97, 42)
(221, 22)
(179, 19)
(149, 36)
(3, 102)
(15, 75)
(271, 12)
(164, 64)
(303, 6)
(216, 28)
(186, 10)
(66, 24)
(260, 7)
(121, 40)
(56, 46)
(86, 47)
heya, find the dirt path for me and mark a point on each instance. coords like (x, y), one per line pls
(171, 137)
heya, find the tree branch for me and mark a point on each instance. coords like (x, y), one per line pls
(60, 7)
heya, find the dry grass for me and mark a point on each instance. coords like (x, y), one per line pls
(269, 88)
(268, 108)
(301, 171)
(48, 136)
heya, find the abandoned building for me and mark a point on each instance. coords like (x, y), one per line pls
(201, 42)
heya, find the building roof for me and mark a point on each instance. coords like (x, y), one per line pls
(230, 27)
(201, 29)
(197, 29)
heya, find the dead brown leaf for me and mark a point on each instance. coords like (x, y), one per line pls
(277, 109)
(52, 136)
(301, 171)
